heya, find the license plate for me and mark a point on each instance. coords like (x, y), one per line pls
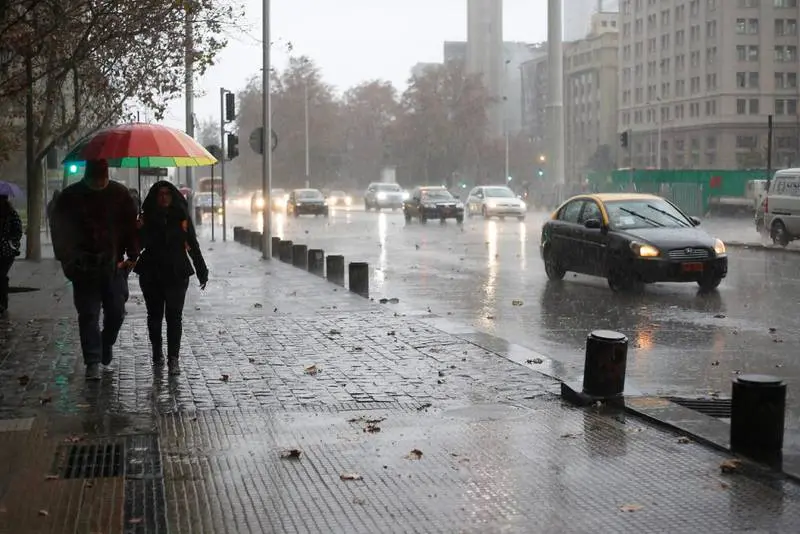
(692, 267)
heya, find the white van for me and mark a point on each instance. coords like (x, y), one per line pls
(781, 207)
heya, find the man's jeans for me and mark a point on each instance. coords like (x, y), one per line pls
(109, 294)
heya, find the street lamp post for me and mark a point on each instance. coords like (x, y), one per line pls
(505, 118)
(308, 155)
(266, 121)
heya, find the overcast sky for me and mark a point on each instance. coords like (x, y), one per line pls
(352, 40)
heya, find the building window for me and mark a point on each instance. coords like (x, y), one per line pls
(694, 8)
(711, 158)
(680, 13)
(747, 26)
(694, 109)
(695, 85)
(711, 5)
(749, 3)
(785, 3)
(785, 54)
(680, 63)
(786, 142)
(679, 111)
(754, 107)
(747, 80)
(680, 145)
(786, 27)
(680, 88)
(785, 106)
(680, 38)
(665, 17)
(694, 58)
(694, 33)
(741, 106)
(664, 42)
(746, 141)
(711, 108)
(665, 90)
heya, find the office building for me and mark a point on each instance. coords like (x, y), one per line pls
(484, 55)
(699, 78)
(578, 16)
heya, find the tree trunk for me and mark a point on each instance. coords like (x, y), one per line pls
(35, 183)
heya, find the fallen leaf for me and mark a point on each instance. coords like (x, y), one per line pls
(372, 428)
(719, 316)
(391, 333)
(351, 476)
(490, 317)
(631, 507)
(311, 370)
(394, 301)
(683, 440)
(424, 406)
(516, 302)
(135, 520)
(415, 454)
(51, 477)
(334, 333)
(724, 485)
(45, 400)
(772, 330)
(534, 361)
(715, 363)
(224, 378)
(730, 465)
(44, 513)
(358, 501)
(251, 360)
(291, 454)
(569, 436)
(384, 301)
(258, 305)
(23, 380)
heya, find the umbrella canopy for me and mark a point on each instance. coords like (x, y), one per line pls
(7, 189)
(141, 145)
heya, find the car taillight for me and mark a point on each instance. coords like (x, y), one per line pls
(766, 204)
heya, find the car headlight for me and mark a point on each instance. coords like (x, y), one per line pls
(429, 206)
(523, 205)
(644, 250)
(219, 210)
(348, 201)
(406, 195)
(260, 203)
(719, 248)
(460, 205)
(381, 196)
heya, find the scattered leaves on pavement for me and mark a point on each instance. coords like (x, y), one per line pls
(44, 513)
(351, 476)
(45, 400)
(51, 477)
(719, 316)
(23, 380)
(715, 363)
(135, 520)
(490, 317)
(424, 406)
(251, 360)
(569, 435)
(683, 440)
(258, 305)
(291, 454)
(516, 302)
(415, 454)
(772, 330)
(372, 428)
(334, 333)
(311, 370)
(730, 466)
(225, 378)
(391, 333)
(631, 507)
(534, 361)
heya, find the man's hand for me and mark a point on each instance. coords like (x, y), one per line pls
(126, 265)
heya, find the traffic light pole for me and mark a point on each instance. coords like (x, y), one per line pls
(555, 106)
(266, 116)
(222, 93)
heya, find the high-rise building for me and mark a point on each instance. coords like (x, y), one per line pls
(698, 79)
(485, 55)
(578, 16)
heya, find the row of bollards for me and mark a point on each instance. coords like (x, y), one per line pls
(758, 402)
(311, 260)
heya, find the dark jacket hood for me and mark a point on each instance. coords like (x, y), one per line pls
(150, 204)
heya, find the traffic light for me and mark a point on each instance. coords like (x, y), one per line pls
(233, 146)
(623, 139)
(540, 172)
(230, 107)
(542, 158)
(72, 168)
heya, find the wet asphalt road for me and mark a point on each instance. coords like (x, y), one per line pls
(681, 342)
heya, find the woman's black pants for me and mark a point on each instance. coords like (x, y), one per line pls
(164, 299)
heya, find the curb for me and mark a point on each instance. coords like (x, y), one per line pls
(760, 246)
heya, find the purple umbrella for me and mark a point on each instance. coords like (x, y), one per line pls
(7, 189)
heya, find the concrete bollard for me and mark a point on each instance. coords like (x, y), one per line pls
(758, 408)
(237, 231)
(276, 247)
(358, 273)
(256, 239)
(335, 269)
(285, 251)
(605, 363)
(316, 262)
(300, 256)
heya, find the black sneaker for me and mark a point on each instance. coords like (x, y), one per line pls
(108, 355)
(93, 371)
(158, 358)
(174, 366)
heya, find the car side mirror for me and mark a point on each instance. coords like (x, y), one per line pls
(695, 221)
(593, 224)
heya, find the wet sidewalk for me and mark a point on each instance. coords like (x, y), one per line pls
(303, 408)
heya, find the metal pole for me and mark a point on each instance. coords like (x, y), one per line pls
(308, 158)
(212, 203)
(555, 62)
(769, 151)
(222, 93)
(31, 252)
(505, 116)
(189, 85)
(266, 116)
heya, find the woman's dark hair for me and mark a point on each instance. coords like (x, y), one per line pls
(150, 202)
(5, 207)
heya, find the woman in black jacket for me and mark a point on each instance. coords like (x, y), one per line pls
(10, 236)
(167, 235)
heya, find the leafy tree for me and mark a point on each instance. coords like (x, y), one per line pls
(208, 132)
(85, 60)
(602, 160)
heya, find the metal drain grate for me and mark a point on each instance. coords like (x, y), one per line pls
(90, 460)
(719, 408)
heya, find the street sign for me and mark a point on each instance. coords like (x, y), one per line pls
(256, 140)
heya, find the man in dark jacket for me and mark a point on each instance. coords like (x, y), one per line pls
(93, 228)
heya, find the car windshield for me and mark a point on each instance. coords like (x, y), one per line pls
(206, 198)
(498, 192)
(310, 195)
(337, 194)
(387, 188)
(436, 194)
(645, 213)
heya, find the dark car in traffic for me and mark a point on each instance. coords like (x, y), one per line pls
(307, 202)
(433, 202)
(631, 239)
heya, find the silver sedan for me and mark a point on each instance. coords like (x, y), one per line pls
(495, 201)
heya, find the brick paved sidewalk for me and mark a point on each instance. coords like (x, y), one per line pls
(275, 360)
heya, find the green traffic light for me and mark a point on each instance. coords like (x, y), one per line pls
(72, 169)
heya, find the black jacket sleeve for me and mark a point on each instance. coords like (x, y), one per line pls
(61, 230)
(194, 253)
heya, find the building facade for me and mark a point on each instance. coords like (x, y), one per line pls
(699, 78)
(484, 55)
(578, 16)
(590, 100)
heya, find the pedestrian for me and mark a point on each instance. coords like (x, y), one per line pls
(167, 235)
(10, 238)
(93, 228)
(51, 205)
(137, 201)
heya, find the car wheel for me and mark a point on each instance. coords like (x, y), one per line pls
(552, 269)
(422, 218)
(485, 213)
(326, 214)
(780, 236)
(709, 282)
(408, 216)
(621, 281)
(460, 220)
(296, 213)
